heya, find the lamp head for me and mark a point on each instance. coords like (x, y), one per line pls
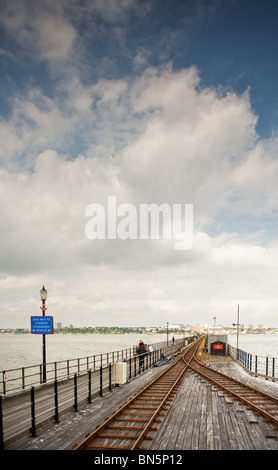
(43, 293)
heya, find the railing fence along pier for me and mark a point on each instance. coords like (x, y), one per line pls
(13, 380)
(84, 379)
(259, 366)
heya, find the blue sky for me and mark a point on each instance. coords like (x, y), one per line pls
(153, 102)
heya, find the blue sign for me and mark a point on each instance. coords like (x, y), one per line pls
(42, 325)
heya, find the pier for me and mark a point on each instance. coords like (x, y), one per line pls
(200, 417)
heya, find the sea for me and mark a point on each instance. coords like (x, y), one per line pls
(22, 350)
(256, 344)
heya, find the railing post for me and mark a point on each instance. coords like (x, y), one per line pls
(100, 381)
(56, 415)
(89, 386)
(75, 408)
(273, 367)
(4, 383)
(134, 366)
(266, 367)
(1, 426)
(23, 378)
(256, 365)
(110, 378)
(33, 416)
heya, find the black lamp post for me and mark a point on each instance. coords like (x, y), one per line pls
(167, 332)
(43, 293)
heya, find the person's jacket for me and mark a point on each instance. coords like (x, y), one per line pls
(141, 349)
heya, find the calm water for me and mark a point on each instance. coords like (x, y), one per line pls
(260, 345)
(25, 350)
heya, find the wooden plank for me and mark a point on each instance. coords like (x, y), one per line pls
(189, 387)
(177, 415)
(225, 443)
(215, 421)
(210, 436)
(196, 417)
(186, 442)
(202, 410)
(199, 417)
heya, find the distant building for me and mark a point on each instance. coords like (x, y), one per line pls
(260, 326)
(58, 326)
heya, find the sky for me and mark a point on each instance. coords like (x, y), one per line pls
(138, 102)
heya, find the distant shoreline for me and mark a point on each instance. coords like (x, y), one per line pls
(136, 331)
(102, 331)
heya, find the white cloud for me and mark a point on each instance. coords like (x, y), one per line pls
(179, 143)
(45, 31)
(256, 178)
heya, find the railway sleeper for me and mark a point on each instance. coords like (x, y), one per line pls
(143, 420)
(121, 436)
(161, 392)
(137, 428)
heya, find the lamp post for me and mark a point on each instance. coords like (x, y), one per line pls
(214, 318)
(167, 332)
(237, 330)
(43, 293)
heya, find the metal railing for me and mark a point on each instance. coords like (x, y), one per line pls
(260, 366)
(13, 380)
(25, 412)
(18, 379)
(29, 412)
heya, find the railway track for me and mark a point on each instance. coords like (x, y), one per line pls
(253, 398)
(134, 423)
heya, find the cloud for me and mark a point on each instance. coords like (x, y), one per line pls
(189, 139)
(45, 31)
(159, 137)
(256, 178)
(175, 136)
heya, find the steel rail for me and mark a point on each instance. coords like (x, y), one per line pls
(173, 376)
(238, 390)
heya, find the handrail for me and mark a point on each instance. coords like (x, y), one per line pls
(259, 366)
(22, 378)
(65, 395)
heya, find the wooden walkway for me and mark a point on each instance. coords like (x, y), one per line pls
(203, 418)
(200, 417)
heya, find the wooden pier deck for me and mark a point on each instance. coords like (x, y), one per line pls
(200, 418)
